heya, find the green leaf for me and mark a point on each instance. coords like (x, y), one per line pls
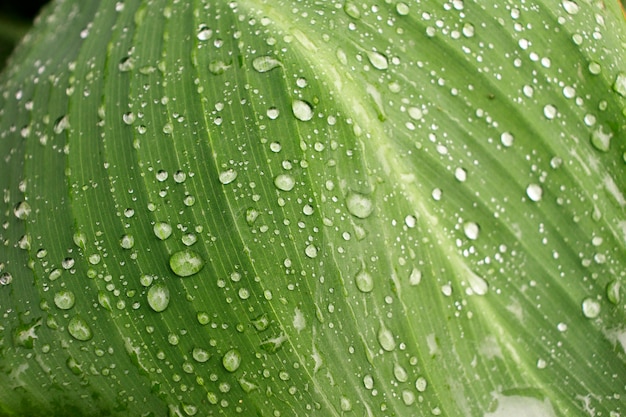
(315, 208)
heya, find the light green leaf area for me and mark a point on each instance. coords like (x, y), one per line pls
(312, 208)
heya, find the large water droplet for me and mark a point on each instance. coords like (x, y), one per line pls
(620, 84)
(186, 263)
(204, 33)
(284, 182)
(613, 292)
(378, 60)
(231, 360)
(22, 210)
(471, 230)
(352, 10)
(601, 139)
(386, 339)
(302, 110)
(415, 277)
(228, 176)
(534, 192)
(421, 384)
(570, 7)
(158, 297)
(200, 355)
(591, 308)
(364, 281)
(64, 299)
(5, 278)
(162, 230)
(359, 205)
(79, 329)
(265, 63)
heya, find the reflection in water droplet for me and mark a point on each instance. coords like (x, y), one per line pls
(228, 176)
(158, 297)
(22, 210)
(534, 192)
(302, 110)
(265, 63)
(364, 281)
(186, 263)
(471, 230)
(378, 60)
(386, 339)
(591, 308)
(231, 360)
(162, 230)
(64, 299)
(284, 182)
(359, 205)
(79, 329)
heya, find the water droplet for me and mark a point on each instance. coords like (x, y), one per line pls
(345, 404)
(200, 355)
(352, 10)
(460, 174)
(284, 182)
(591, 308)
(64, 299)
(302, 110)
(421, 384)
(228, 176)
(507, 139)
(186, 263)
(477, 284)
(311, 251)
(128, 118)
(400, 373)
(415, 113)
(80, 239)
(261, 323)
(386, 339)
(231, 360)
(218, 67)
(601, 139)
(570, 7)
(251, 215)
(368, 381)
(104, 300)
(613, 292)
(359, 205)
(127, 241)
(265, 63)
(415, 277)
(549, 111)
(79, 329)
(158, 297)
(619, 86)
(402, 9)
(534, 192)
(204, 33)
(378, 60)
(61, 124)
(5, 278)
(471, 230)
(273, 113)
(22, 210)
(364, 281)
(162, 230)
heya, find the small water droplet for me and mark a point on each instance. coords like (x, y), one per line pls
(22, 210)
(534, 192)
(364, 281)
(378, 60)
(261, 323)
(231, 360)
(359, 205)
(273, 113)
(591, 308)
(162, 230)
(228, 176)
(158, 297)
(311, 251)
(284, 182)
(386, 339)
(79, 329)
(415, 277)
(64, 299)
(601, 138)
(400, 373)
(302, 110)
(186, 263)
(265, 63)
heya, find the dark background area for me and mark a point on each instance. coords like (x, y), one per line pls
(16, 17)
